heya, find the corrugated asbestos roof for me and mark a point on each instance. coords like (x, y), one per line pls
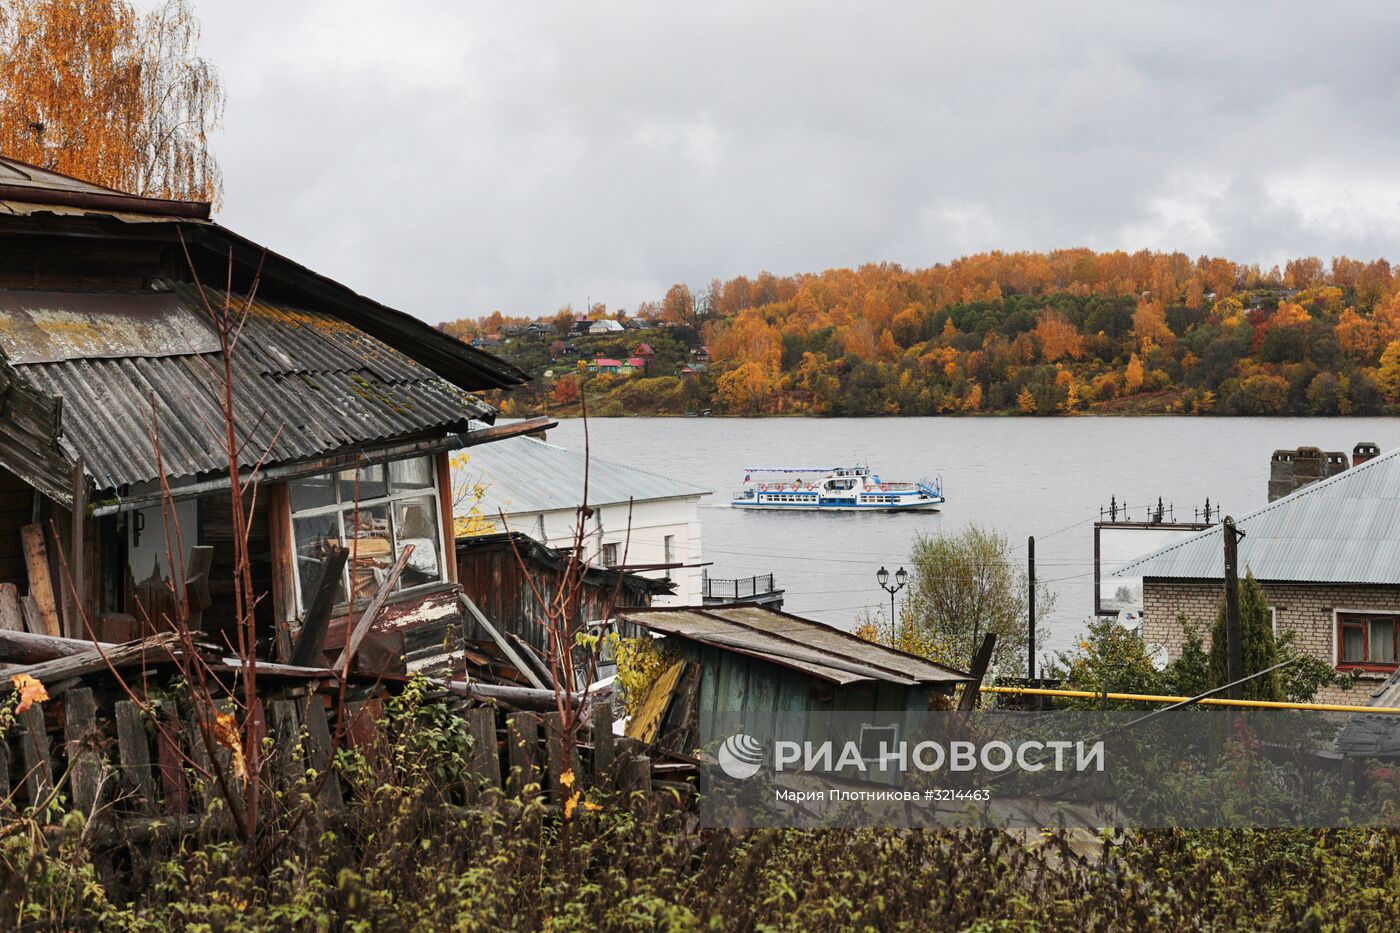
(1344, 529)
(1377, 734)
(310, 383)
(527, 475)
(805, 645)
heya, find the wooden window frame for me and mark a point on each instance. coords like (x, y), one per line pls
(292, 602)
(1363, 619)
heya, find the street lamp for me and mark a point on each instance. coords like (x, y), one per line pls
(900, 579)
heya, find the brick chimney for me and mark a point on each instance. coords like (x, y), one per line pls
(1364, 451)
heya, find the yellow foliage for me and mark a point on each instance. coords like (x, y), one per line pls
(639, 663)
(1026, 401)
(29, 691)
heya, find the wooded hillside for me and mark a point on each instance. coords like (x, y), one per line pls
(1032, 333)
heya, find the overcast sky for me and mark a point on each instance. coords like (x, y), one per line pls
(454, 158)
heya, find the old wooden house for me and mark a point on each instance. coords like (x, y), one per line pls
(347, 408)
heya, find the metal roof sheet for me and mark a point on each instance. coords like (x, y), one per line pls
(306, 384)
(523, 475)
(1343, 529)
(806, 645)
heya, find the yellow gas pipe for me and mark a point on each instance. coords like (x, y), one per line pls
(1208, 701)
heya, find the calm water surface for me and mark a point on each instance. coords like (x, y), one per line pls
(1020, 476)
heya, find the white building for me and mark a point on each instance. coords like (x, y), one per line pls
(605, 326)
(539, 487)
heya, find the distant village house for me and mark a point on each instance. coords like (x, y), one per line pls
(1328, 557)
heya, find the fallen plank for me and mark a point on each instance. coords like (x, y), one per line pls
(644, 726)
(36, 561)
(362, 627)
(511, 654)
(27, 648)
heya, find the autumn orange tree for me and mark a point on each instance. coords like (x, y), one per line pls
(91, 88)
(1066, 331)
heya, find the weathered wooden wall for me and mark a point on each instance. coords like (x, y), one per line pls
(491, 574)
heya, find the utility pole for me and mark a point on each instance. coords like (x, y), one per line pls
(1234, 648)
(1030, 622)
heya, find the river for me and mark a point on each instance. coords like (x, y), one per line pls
(1046, 477)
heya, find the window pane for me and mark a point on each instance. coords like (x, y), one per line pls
(371, 550)
(373, 484)
(411, 474)
(1383, 641)
(1353, 643)
(312, 492)
(313, 538)
(415, 523)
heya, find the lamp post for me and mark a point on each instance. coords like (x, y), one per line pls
(900, 578)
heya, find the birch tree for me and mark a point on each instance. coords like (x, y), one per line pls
(92, 89)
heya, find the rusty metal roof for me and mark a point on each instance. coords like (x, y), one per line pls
(804, 645)
(1343, 529)
(307, 384)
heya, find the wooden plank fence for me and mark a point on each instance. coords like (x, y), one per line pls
(117, 766)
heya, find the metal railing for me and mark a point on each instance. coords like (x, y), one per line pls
(742, 588)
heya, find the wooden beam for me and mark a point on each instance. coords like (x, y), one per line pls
(502, 431)
(362, 627)
(526, 698)
(279, 531)
(311, 643)
(36, 559)
(446, 494)
(11, 615)
(27, 648)
(77, 609)
(58, 670)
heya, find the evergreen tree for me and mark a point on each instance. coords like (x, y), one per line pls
(1257, 644)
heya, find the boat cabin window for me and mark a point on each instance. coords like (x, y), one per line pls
(375, 511)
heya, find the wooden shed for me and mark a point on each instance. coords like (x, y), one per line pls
(758, 666)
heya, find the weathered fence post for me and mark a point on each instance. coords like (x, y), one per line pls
(522, 747)
(485, 765)
(135, 753)
(38, 773)
(603, 745)
(79, 724)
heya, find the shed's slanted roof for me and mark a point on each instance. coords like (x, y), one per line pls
(814, 648)
(306, 383)
(1343, 529)
(1377, 734)
(524, 475)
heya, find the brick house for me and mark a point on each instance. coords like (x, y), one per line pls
(1328, 557)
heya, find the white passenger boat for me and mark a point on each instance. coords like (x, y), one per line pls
(834, 489)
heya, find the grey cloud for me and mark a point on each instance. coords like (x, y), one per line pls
(456, 158)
